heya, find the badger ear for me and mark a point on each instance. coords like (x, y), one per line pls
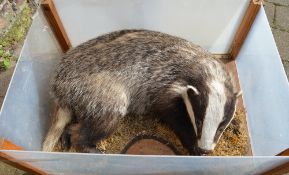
(238, 94)
(194, 89)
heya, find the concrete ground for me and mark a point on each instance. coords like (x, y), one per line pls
(278, 16)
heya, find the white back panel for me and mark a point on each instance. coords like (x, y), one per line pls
(208, 23)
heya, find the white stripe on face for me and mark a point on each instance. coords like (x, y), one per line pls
(183, 91)
(214, 115)
(190, 111)
(227, 124)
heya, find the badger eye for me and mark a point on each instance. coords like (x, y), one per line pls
(199, 127)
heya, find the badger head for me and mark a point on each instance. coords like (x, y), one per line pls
(210, 104)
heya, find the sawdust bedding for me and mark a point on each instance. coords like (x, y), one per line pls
(234, 141)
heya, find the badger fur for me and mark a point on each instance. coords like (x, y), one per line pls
(140, 72)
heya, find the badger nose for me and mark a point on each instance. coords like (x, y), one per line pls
(203, 151)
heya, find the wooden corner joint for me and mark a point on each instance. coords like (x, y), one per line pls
(258, 2)
(245, 27)
(284, 153)
(57, 27)
(5, 157)
(8, 145)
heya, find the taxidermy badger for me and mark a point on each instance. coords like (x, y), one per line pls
(140, 72)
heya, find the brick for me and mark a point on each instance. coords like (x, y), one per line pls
(282, 17)
(282, 41)
(270, 10)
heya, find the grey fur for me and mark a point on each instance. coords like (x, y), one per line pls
(133, 72)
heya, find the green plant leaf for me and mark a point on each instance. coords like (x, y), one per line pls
(6, 64)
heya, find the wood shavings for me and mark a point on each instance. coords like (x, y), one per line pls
(233, 142)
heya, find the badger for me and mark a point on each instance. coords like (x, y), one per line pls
(140, 72)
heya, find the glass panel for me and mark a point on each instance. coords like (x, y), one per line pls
(26, 108)
(74, 164)
(265, 90)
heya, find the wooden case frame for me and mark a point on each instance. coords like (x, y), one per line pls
(63, 39)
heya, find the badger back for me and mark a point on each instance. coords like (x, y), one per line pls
(141, 62)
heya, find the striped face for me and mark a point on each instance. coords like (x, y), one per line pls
(210, 113)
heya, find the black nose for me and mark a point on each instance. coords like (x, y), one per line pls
(203, 151)
(196, 151)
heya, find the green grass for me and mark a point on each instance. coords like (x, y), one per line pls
(14, 36)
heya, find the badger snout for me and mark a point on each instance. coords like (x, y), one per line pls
(203, 151)
(196, 151)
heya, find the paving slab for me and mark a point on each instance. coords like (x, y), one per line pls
(6, 169)
(286, 67)
(282, 17)
(270, 11)
(280, 2)
(282, 41)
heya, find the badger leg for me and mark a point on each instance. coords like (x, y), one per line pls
(65, 138)
(85, 134)
(97, 111)
(60, 119)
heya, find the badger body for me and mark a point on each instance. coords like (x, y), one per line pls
(140, 72)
